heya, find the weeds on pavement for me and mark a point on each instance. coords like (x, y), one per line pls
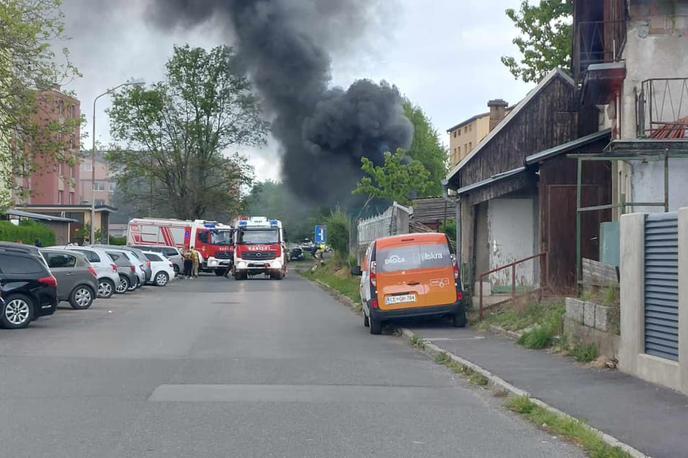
(474, 377)
(584, 353)
(570, 429)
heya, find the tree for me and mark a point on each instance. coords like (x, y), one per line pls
(545, 40)
(427, 148)
(274, 200)
(175, 134)
(399, 179)
(28, 66)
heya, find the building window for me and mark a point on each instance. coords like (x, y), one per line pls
(60, 197)
(470, 127)
(470, 146)
(454, 134)
(458, 131)
(465, 130)
(71, 198)
(99, 186)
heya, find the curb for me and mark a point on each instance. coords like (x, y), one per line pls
(339, 296)
(496, 381)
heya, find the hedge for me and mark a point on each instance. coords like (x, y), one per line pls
(27, 232)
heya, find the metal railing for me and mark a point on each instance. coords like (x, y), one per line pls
(543, 278)
(662, 108)
(597, 42)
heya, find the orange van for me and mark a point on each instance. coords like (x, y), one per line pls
(410, 275)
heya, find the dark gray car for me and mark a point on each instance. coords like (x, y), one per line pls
(126, 270)
(77, 281)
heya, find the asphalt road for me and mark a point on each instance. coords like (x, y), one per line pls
(215, 367)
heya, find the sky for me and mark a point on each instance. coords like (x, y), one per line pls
(444, 55)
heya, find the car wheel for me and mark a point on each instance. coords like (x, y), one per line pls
(106, 288)
(459, 319)
(82, 297)
(135, 285)
(161, 278)
(375, 326)
(123, 285)
(366, 321)
(17, 312)
(176, 269)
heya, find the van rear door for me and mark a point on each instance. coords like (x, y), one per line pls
(415, 275)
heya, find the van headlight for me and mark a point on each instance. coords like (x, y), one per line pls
(241, 265)
(277, 264)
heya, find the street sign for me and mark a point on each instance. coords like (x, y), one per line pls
(320, 234)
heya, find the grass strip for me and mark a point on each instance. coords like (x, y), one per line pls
(473, 377)
(573, 430)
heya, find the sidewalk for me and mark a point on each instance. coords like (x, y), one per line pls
(647, 417)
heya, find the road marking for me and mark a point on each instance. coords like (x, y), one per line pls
(303, 393)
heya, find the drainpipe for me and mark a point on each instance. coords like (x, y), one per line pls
(456, 202)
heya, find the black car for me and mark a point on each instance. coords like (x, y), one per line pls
(28, 288)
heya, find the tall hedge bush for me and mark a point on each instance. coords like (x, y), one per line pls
(338, 234)
(27, 231)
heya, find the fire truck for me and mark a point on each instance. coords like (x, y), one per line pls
(211, 239)
(259, 248)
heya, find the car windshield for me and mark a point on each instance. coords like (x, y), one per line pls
(258, 237)
(427, 256)
(220, 237)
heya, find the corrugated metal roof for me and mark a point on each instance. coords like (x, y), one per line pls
(568, 146)
(492, 179)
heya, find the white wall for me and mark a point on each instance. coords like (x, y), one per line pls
(513, 231)
(648, 184)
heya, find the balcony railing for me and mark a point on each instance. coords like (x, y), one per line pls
(597, 42)
(662, 108)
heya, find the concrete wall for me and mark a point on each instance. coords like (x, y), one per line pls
(656, 47)
(512, 234)
(632, 356)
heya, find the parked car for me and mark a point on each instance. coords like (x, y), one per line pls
(128, 276)
(410, 275)
(143, 261)
(106, 269)
(170, 252)
(77, 280)
(296, 254)
(163, 269)
(28, 287)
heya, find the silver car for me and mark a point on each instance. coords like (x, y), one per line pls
(107, 270)
(170, 252)
(77, 281)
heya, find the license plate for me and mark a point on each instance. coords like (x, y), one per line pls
(401, 299)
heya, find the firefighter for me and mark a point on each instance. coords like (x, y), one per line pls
(196, 262)
(188, 263)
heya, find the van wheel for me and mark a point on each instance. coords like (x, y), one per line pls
(375, 326)
(459, 319)
(17, 312)
(366, 321)
(277, 275)
(81, 298)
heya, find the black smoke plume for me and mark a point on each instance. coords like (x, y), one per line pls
(323, 131)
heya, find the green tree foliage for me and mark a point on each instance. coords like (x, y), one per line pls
(175, 134)
(29, 66)
(274, 200)
(338, 227)
(427, 148)
(545, 40)
(27, 232)
(398, 180)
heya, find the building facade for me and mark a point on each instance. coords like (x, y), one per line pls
(55, 182)
(102, 187)
(465, 136)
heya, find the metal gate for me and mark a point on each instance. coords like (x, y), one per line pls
(661, 285)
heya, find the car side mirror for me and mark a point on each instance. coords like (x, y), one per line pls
(356, 271)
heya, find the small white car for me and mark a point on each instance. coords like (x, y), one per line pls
(106, 269)
(163, 268)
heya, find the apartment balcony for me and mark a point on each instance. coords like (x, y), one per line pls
(597, 42)
(662, 109)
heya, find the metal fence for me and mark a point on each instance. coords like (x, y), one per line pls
(395, 220)
(662, 108)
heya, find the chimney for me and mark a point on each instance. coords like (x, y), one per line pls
(497, 112)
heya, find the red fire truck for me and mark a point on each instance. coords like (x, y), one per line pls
(259, 248)
(211, 239)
